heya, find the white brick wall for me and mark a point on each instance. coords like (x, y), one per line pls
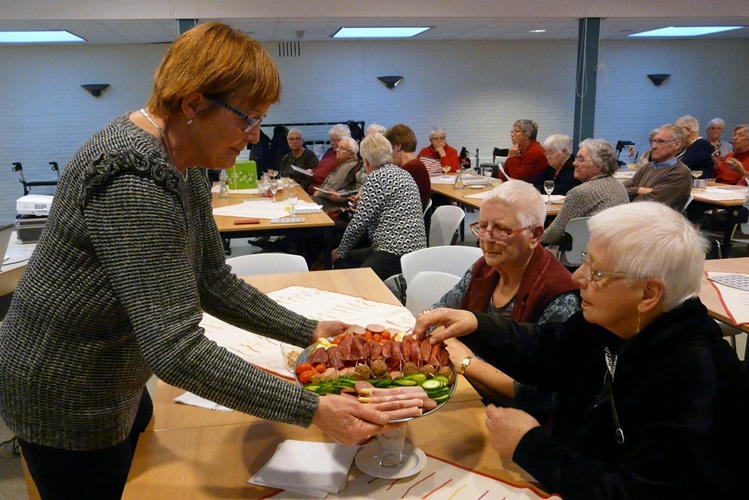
(475, 90)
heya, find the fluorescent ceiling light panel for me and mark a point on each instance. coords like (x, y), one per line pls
(685, 31)
(380, 32)
(38, 37)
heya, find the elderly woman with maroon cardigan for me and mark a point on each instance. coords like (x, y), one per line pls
(516, 278)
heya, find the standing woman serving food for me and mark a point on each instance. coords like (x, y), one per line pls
(129, 260)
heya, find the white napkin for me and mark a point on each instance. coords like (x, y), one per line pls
(188, 398)
(311, 469)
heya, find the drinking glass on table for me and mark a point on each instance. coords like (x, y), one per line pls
(274, 185)
(445, 169)
(291, 198)
(549, 188)
(696, 174)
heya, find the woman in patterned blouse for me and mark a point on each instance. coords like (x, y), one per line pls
(389, 211)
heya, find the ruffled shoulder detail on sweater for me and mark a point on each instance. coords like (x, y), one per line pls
(140, 157)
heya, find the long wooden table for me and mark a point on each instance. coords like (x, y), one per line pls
(461, 196)
(193, 453)
(315, 224)
(732, 208)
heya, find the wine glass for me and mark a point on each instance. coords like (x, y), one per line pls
(272, 173)
(274, 189)
(549, 188)
(445, 169)
(696, 174)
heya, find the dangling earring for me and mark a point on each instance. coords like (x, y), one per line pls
(639, 318)
(189, 122)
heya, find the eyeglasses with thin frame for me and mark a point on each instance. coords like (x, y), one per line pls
(580, 159)
(251, 122)
(592, 274)
(342, 150)
(661, 142)
(496, 233)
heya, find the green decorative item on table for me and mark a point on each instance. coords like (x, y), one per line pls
(243, 175)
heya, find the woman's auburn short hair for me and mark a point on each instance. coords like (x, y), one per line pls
(402, 135)
(214, 59)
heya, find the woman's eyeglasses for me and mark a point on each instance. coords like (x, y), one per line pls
(496, 233)
(251, 122)
(592, 274)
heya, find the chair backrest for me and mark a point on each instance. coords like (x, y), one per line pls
(267, 263)
(744, 216)
(451, 259)
(428, 287)
(577, 228)
(689, 200)
(445, 222)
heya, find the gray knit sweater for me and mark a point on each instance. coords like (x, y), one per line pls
(115, 291)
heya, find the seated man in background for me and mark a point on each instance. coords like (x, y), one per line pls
(299, 156)
(734, 167)
(403, 140)
(665, 178)
(561, 169)
(526, 158)
(441, 152)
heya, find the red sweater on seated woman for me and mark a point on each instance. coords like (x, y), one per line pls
(734, 167)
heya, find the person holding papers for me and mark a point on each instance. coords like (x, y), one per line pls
(129, 260)
(653, 402)
(328, 161)
(300, 157)
(341, 182)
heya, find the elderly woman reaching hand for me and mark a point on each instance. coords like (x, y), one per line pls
(389, 211)
(653, 403)
(595, 165)
(516, 278)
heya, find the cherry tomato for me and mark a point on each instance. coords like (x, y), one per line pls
(303, 368)
(377, 337)
(386, 335)
(306, 376)
(339, 338)
(368, 335)
(320, 368)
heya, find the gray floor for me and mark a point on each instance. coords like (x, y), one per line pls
(12, 484)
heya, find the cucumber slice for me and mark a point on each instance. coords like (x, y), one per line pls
(442, 399)
(432, 385)
(381, 382)
(418, 377)
(442, 378)
(404, 382)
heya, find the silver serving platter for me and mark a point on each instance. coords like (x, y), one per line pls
(306, 353)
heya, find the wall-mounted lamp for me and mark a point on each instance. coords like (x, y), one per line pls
(390, 81)
(95, 89)
(658, 79)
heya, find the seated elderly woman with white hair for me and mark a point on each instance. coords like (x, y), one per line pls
(561, 169)
(653, 403)
(595, 165)
(516, 278)
(389, 211)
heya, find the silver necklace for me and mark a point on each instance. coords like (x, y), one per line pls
(163, 139)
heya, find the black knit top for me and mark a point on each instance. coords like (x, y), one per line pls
(115, 291)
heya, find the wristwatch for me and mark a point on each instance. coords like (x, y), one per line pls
(464, 364)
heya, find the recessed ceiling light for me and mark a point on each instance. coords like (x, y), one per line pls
(537, 31)
(38, 37)
(380, 32)
(685, 31)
